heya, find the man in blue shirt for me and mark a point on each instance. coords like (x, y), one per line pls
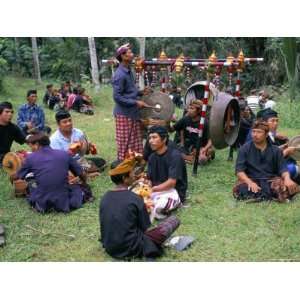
(127, 105)
(31, 117)
(66, 134)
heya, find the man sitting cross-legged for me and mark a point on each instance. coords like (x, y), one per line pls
(125, 221)
(49, 187)
(261, 171)
(66, 136)
(167, 173)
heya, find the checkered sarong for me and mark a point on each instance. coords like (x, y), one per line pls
(128, 136)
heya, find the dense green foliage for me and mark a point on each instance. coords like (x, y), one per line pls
(68, 58)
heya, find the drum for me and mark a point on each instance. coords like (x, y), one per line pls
(13, 161)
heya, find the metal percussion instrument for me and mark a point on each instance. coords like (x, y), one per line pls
(160, 107)
(225, 108)
(295, 142)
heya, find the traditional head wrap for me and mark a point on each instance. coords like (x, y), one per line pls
(121, 50)
(62, 114)
(160, 130)
(197, 103)
(261, 125)
(122, 168)
(266, 114)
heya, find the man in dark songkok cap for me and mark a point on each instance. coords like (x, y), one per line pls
(167, 172)
(124, 219)
(261, 170)
(127, 105)
(49, 188)
(66, 136)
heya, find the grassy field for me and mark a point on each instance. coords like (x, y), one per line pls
(224, 229)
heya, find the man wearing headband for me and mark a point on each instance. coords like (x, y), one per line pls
(167, 172)
(127, 105)
(124, 220)
(271, 118)
(31, 117)
(261, 171)
(9, 132)
(49, 188)
(187, 131)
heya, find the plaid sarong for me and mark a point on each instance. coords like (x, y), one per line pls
(128, 136)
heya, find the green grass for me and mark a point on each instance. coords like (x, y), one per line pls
(224, 229)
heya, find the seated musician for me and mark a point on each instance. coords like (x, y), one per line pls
(82, 103)
(187, 134)
(271, 118)
(49, 188)
(48, 93)
(31, 117)
(66, 136)
(261, 171)
(167, 173)
(9, 132)
(124, 220)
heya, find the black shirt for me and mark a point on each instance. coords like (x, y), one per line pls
(78, 103)
(8, 134)
(123, 220)
(148, 151)
(259, 164)
(168, 165)
(191, 132)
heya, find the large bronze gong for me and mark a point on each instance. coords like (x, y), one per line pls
(196, 91)
(161, 107)
(295, 142)
(224, 120)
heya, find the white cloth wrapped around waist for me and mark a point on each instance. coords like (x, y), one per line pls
(164, 202)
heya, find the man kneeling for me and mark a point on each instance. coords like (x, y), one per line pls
(261, 170)
(125, 221)
(49, 186)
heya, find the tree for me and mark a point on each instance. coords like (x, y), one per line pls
(289, 51)
(36, 64)
(94, 63)
(142, 45)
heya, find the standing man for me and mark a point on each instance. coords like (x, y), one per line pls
(9, 132)
(127, 105)
(31, 117)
